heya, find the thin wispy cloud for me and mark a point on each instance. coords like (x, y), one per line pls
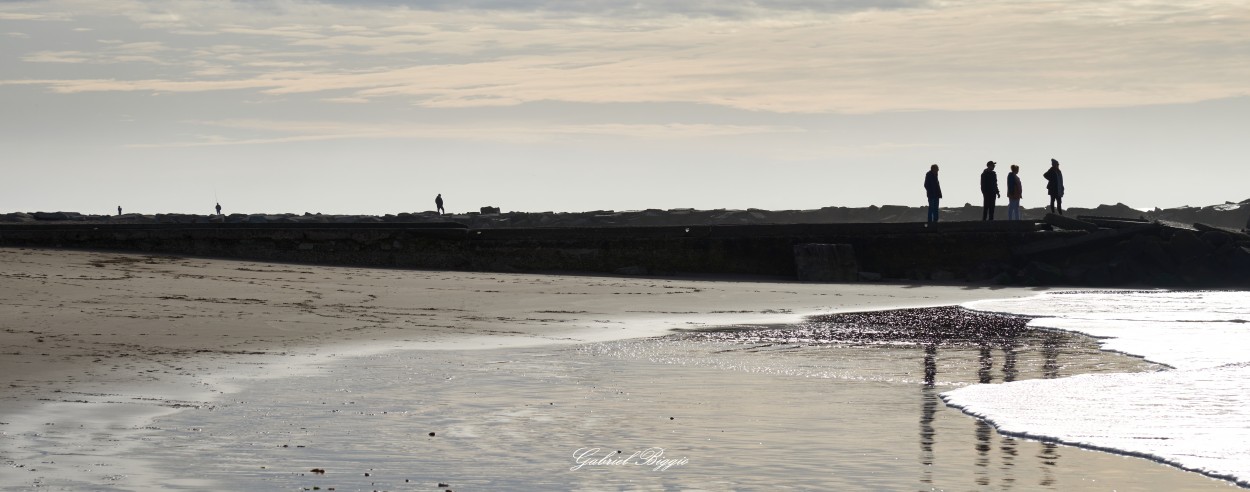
(286, 131)
(18, 16)
(782, 57)
(56, 57)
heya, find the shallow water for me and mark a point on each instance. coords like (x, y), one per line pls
(730, 409)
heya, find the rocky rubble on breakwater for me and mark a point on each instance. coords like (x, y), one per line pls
(1229, 214)
(1126, 252)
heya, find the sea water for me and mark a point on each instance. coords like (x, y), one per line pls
(813, 406)
(1195, 416)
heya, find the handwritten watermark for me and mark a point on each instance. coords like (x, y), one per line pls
(650, 457)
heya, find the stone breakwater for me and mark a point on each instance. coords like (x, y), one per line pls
(1232, 215)
(1056, 251)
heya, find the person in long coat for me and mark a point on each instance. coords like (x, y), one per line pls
(1054, 187)
(989, 190)
(933, 189)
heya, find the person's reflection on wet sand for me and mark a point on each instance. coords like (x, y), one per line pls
(983, 429)
(928, 409)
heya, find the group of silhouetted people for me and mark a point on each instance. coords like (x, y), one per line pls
(990, 192)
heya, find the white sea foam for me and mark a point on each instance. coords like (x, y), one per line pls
(1194, 417)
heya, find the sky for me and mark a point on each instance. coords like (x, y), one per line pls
(376, 106)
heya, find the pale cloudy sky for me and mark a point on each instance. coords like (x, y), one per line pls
(374, 106)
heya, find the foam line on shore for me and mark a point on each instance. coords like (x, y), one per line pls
(1191, 417)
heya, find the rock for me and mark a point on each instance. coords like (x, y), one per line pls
(1112, 222)
(1239, 261)
(1145, 249)
(1038, 273)
(17, 217)
(1239, 236)
(1186, 245)
(1069, 223)
(490, 210)
(51, 215)
(1216, 238)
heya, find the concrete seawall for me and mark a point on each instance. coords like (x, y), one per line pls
(949, 251)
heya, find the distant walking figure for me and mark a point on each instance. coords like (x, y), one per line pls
(989, 190)
(1014, 193)
(933, 189)
(119, 210)
(1054, 187)
(218, 209)
(438, 202)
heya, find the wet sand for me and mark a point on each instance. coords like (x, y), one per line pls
(96, 345)
(86, 322)
(826, 409)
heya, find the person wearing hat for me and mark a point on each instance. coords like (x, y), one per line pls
(1054, 187)
(989, 190)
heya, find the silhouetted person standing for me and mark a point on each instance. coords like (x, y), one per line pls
(933, 189)
(119, 210)
(1014, 193)
(1054, 187)
(438, 202)
(218, 209)
(989, 190)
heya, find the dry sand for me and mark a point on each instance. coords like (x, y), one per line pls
(94, 335)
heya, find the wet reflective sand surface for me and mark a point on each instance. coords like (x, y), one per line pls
(832, 404)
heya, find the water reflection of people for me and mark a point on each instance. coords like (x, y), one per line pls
(1050, 356)
(1008, 445)
(1049, 455)
(984, 431)
(1009, 362)
(930, 363)
(928, 411)
(1007, 448)
(987, 364)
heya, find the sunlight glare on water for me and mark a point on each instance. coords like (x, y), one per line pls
(1193, 417)
(846, 402)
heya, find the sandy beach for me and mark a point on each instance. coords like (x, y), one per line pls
(86, 321)
(97, 346)
(104, 335)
